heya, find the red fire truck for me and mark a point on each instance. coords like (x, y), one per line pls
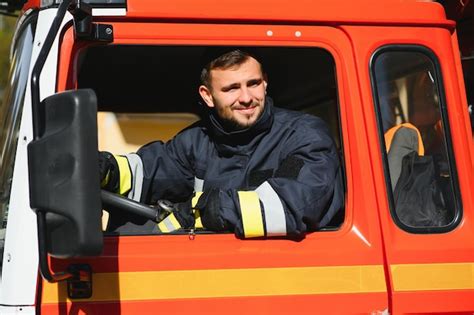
(116, 74)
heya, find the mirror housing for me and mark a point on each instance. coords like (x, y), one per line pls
(63, 174)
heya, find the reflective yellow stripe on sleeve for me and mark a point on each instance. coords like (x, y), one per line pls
(125, 174)
(169, 224)
(197, 217)
(252, 220)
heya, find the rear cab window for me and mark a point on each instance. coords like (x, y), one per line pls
(418, 156)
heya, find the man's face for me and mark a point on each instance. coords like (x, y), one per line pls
(237, 93)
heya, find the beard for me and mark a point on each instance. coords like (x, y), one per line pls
(232, 124)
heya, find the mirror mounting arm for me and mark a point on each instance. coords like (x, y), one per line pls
(84, 29)
(38, 67)
(43, 254)
(37, 132)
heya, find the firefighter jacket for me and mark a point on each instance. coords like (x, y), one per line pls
(279, 177)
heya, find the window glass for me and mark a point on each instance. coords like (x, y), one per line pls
(413, 122)
(10, 116)
(155, 91)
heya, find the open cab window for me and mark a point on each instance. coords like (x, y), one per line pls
(148, 93)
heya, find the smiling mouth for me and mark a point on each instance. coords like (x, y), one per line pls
(246, 109)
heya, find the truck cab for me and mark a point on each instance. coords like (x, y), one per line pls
(115, 75)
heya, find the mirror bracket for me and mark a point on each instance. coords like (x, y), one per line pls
(79, 286)
(84, 28)
(78, 276)
(43, 253)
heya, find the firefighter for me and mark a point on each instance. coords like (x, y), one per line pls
(254, 169)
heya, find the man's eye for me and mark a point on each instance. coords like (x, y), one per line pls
(255, 83)
(230, 88)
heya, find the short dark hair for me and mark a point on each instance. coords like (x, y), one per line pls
(223, 59)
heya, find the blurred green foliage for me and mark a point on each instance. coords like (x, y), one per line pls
(7, 26)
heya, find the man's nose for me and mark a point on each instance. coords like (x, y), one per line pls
(245, 97)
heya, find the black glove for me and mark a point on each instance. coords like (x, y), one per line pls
(209, 209)
(109, 172)
(209, 205)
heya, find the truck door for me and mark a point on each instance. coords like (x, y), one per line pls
(425, 189)
(337, 270)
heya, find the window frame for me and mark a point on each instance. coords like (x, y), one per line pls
(458, 209)
(332, 39)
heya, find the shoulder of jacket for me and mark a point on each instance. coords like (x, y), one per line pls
(197, 129)
(194, 139)
(298, 120)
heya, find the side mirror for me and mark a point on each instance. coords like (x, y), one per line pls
(63, 175)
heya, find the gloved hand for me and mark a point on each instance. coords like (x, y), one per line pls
(210, 205)
(184, 214)
(108, 172)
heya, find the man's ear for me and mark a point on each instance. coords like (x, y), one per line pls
(206, 95)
